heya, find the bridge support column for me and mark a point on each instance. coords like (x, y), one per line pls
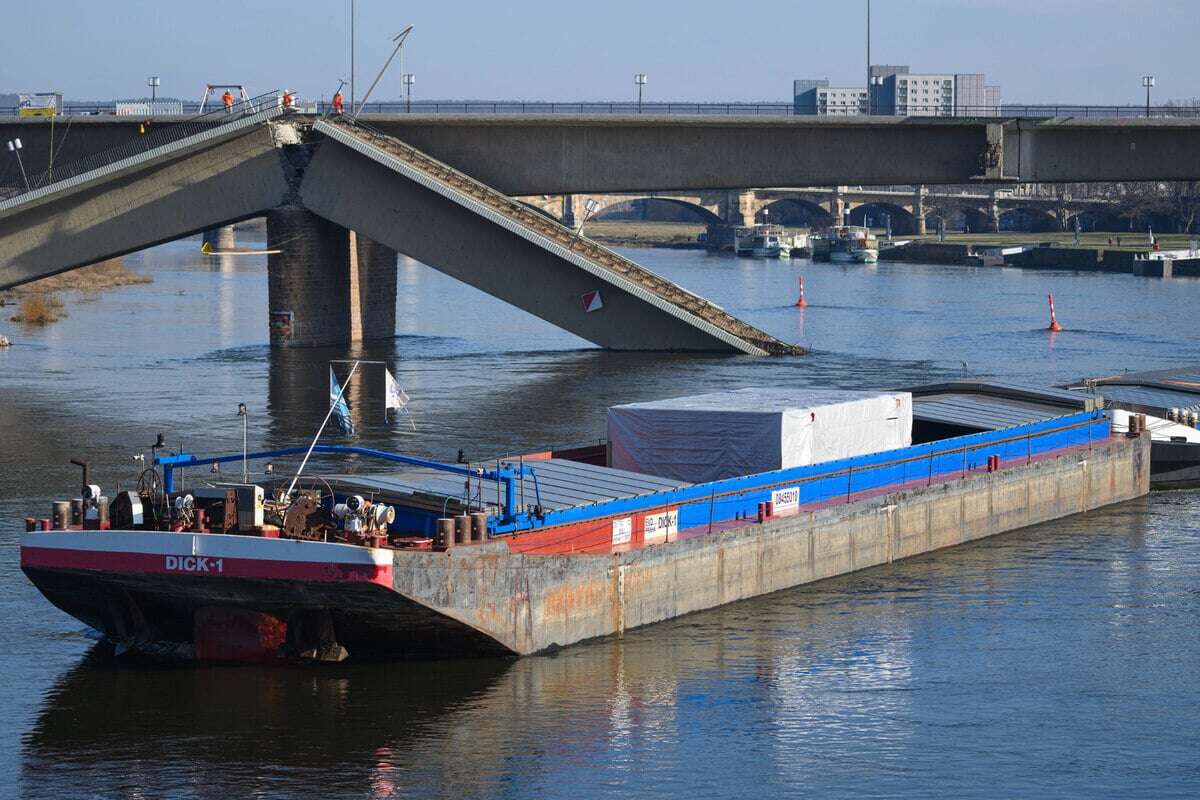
(919, 211)
(328, 286)
(994, 214)
(837, 206)
(222, 238)
(737, 209)
(1062, 215)
(569, 217)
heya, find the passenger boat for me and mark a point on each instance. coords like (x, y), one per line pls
(763, 241)
(689, 504)
(846, 244)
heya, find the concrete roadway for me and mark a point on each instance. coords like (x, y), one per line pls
(557, 154)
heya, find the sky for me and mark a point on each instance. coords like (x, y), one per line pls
(1052, 51)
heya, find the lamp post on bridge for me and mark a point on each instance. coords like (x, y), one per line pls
(153, 82)
(409, 79)
(640, 79)
(1148, 82)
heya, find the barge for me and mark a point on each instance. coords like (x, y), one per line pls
(527, 553)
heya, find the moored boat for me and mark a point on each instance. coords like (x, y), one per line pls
(765, 241)
(846, 244)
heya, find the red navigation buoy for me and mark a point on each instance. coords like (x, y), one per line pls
(1054, 326)
(801, 303)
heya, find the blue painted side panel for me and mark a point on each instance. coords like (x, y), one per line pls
(725, 500)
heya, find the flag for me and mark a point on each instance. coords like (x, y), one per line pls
(395, 399)
(337, 400)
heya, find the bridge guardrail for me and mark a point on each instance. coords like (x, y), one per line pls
(1046, 110)
(154, 135)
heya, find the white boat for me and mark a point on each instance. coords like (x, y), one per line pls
(846, 244)
(763, 241)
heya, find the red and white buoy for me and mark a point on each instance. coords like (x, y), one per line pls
(1054, 326)
(801, 303)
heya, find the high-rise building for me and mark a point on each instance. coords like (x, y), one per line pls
(894, 91)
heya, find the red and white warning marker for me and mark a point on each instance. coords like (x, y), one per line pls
(1054, 326)
(592, 301)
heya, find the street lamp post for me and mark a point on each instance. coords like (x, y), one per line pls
(399, 40)
(153, 82)
(245, 423)
(869, 82)
(640, 80)
(409, 79)
(352, 56)
(14, 147)
(1148, 82)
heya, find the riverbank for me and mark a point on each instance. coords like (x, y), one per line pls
(39, 303)
(103, 275)
(627, 233)
(1133, 242)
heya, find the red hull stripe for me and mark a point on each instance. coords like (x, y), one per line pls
(208, 556)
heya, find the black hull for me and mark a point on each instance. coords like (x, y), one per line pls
(155, 614)
(1174, 465)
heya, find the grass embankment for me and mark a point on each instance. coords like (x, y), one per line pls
(38, 303)
(644, 234)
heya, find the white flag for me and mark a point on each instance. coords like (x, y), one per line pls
(395, 399)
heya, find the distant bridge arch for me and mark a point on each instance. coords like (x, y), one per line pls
(1028, 219)
(902, 221)
(655, 209)
(795, 212)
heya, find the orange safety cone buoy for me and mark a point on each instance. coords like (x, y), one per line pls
(1054, 326)
(801, 303)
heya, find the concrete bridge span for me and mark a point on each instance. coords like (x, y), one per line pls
(530, 154)
(340, 201)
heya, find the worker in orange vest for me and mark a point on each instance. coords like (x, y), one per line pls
(287, 99)
(338, 104)
(227, 99)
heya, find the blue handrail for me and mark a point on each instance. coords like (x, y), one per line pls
(507, 473)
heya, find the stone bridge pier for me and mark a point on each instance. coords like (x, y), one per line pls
(222, 238)
(328, 285)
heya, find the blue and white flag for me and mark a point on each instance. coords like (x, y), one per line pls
(337, 399)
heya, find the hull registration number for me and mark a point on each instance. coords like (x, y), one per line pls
(195, 564)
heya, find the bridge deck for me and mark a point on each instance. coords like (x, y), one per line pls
(556, 238)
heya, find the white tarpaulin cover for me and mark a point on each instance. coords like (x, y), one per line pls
(745, 431)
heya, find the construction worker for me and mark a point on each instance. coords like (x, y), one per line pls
(227, 100)
(338, 104)
(287, 99)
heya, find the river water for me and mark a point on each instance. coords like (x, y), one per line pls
(1060, 660)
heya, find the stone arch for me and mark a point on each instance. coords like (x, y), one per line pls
(1028, 220)
(975, 220)
(903, 223)
(795, 212)
(1098, 219)
(656, 209)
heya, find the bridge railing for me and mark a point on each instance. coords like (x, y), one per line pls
(151, 135)
(1043, 110)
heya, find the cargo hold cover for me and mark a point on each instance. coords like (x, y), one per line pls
(747, 431)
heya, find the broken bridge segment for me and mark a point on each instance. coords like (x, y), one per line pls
(397, 195)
